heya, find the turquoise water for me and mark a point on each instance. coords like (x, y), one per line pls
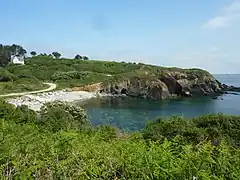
(131, 114)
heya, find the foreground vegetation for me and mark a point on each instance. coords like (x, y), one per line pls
(60, 143)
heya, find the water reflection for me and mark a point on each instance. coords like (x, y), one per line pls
(132, 114)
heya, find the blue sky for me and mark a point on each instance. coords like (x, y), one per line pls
(186, 33)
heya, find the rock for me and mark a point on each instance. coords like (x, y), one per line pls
(187, 94)
(166, 85)
(174, 86)
(158, 91)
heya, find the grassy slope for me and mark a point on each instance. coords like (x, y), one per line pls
(21, 85)
(11, 83)
(44, 67)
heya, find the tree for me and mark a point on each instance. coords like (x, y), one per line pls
(50, 56)
(43, 55)
(78, 57)
(33, 53)
(7, 51)
(85, 58)
(13, 49)
(22, 52)
(57, 55)
(5, 58)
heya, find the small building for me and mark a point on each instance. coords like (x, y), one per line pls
(17, 60)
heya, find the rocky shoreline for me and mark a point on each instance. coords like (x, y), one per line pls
(230, 88)
(166, 86)
(169, 85)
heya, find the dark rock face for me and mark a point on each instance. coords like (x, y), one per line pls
(173, 86)
(230, 88)
(154, 89)
(169, 85)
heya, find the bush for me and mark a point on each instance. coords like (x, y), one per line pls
(170, 128)
(220, 126)
(58, 150)
(5, 75)
(19, 115)
(68, 75)
(106, 133)
(59, 115)
(27, 153)
(6, 109)
(214, 128)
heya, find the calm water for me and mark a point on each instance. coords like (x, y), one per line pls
(132, 114)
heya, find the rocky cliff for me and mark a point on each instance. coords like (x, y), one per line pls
(165, 84)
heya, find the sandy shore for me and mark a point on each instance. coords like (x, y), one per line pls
(35, 101)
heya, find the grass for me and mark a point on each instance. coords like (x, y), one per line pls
(21, 85)
(91, 78)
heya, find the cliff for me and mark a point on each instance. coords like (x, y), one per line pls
(163, 84)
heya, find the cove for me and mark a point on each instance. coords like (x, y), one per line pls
(132, 114)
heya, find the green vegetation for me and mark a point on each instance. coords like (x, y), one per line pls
(33, 53)
(59, 144)
(6, 51)
(10, 83)
(77, 72)
(214, 128)
(21, 85)
(57, 55)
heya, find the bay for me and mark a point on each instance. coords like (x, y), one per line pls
(131, 114)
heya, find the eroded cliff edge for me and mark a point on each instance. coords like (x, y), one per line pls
(164, 84)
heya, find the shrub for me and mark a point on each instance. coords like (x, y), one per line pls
(64, 152)
(59, 115)
(5, 75)
(23, 115)
(6, 109)
(172, 127)
(106, 133)
(214, 128)
(27, 153)
(20, 115)
(68, 75)
(221, 126)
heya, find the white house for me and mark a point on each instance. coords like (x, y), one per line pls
(17, 60)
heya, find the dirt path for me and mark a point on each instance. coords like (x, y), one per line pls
(52, 86)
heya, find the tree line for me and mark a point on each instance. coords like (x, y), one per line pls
(57, 55)
(7, 51)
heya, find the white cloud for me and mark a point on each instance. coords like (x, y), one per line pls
(228, 16)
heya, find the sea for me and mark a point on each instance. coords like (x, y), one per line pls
(131, 114)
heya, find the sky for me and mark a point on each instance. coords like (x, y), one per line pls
(187, 33)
